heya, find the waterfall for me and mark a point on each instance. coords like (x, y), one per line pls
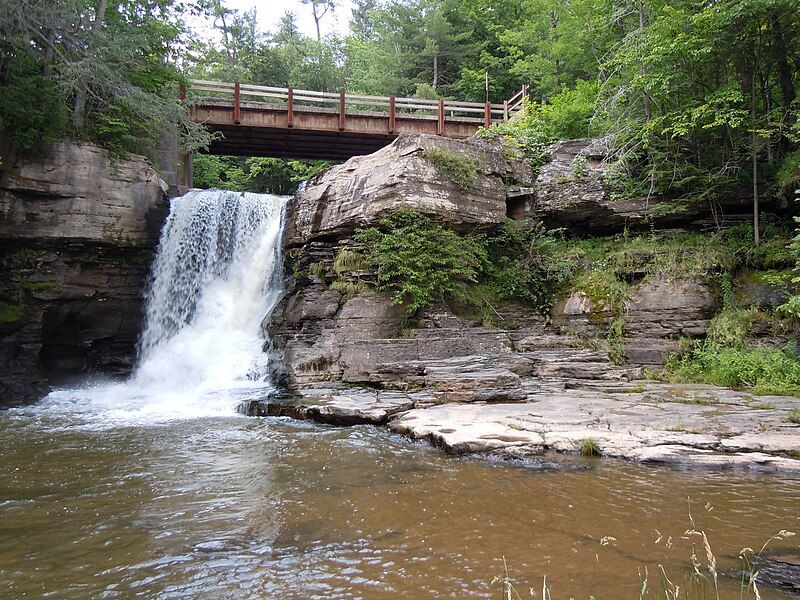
(215, 278)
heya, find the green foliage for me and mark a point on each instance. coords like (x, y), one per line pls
(348, 289)
(794, 416)
(569, 113)
(100, 71)
(788, 175)
(589, 447)
(348, 261)
(522, 264)
(461, 169)
(764, 370)
(725, 357)
(31, 107)
(262, 175)
(11, 313)
(418, 261)
(792, 305)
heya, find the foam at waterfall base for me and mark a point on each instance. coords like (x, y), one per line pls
(216, 276)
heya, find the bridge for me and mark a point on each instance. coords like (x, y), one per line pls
(257, 120)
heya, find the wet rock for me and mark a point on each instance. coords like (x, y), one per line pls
(780, 571)
(684, 425)
(336, 406)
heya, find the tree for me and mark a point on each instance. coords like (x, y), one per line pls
(361, 21)
(319, 8)
(112, 64)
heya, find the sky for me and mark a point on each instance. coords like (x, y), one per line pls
(270, 11)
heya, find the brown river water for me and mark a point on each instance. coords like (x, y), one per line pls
(235, 507)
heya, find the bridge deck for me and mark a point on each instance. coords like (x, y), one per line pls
(288, 123)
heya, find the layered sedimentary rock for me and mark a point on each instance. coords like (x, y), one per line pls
(359, 337)
(351, 334)
(77, 232)
(572, 191)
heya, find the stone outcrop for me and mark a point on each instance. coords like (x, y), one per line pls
(350, 356)
(571, 191)
(327, 336)
(77, 233)
(366, 188)
(658, 312)
(79, 193)
(684, 425)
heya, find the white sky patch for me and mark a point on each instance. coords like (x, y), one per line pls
(270, 11)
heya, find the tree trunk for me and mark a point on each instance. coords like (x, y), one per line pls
(316, 21)
(435, 70)
(754, 150)
(79, 108)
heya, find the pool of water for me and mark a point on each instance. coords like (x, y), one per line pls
(235, 507)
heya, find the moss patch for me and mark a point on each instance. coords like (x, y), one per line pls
(11, 313)
(461, 169)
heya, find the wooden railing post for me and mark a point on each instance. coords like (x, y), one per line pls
(440, 128)
(392, 113)
(290, 111)
(505, 110)
(341, 111)
(487, 115)
(237, 108)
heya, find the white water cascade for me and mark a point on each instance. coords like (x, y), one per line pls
(216, 276)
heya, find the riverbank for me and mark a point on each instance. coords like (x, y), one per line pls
(677, 424)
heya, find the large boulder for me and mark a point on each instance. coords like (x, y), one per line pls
(367, 188)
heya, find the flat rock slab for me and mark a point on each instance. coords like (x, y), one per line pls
(338, 406)
(688, 425)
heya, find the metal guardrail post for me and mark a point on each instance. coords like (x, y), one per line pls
(341, 111)
(237, 108)
(290, 110)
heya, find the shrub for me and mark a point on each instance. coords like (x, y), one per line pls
(11, 313)
(418, 261)
(763, 369)
(523, 265)
(32, 111)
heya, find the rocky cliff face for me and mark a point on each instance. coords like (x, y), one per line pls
(357, 337)
(351, 334)
(77, 233)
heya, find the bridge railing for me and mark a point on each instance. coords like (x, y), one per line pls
(346, 103)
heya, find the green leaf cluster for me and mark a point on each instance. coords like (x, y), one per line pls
(420, 263)
(261, 175)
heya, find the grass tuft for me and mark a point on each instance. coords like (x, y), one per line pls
(589, 447)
